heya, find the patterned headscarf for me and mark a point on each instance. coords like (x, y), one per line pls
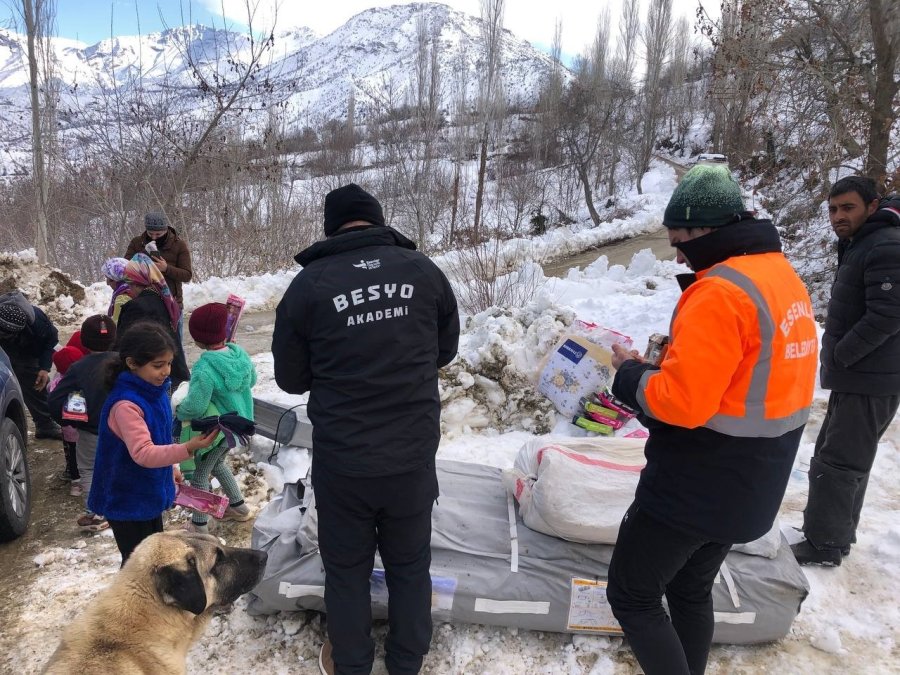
(114, 269)
(12, 319)
(141, 271)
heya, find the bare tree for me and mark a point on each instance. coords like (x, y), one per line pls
(461, 139)
(587, 109)
(657, 36)
(621, 75)
(549, 106)
(491, 99)
(833, 66)
(38, 17)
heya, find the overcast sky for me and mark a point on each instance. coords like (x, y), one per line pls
(533, 20)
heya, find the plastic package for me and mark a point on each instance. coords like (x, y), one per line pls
(200, 500)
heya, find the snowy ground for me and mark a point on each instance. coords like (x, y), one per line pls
(849, 624)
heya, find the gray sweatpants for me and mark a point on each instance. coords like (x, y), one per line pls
(85, 452)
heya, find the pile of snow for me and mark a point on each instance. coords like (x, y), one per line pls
(61, 298)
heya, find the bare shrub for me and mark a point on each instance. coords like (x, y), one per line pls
(486, 280)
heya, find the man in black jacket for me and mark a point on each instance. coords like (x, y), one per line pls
(29, 337)
(364, 327)
(860, 364)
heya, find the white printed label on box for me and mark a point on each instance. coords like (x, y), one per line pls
(589, 609)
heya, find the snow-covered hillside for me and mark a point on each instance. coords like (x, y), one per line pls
(372, 53)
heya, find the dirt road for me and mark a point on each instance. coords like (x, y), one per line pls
(618, 253)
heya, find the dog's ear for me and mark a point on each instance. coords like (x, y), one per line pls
(182, 588)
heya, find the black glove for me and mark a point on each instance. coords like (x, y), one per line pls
(237, 429)
(890, 205)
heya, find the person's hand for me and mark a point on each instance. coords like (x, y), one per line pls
(161, 263)
(198, 442)
(621, 355)
(43, 377)
(176, 474)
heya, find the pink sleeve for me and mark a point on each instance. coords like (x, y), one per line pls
(126, 420)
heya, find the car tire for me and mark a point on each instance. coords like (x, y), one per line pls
(15, 482)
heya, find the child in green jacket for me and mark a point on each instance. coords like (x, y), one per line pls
(222, 378)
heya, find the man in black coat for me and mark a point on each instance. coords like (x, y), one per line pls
(29, 337)
(860, 364)
(364, 327)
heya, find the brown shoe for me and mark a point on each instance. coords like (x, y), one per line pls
(326, 664)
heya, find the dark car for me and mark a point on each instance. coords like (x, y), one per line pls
(15, 479)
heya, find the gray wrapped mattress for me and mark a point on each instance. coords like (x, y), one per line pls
(489, 568)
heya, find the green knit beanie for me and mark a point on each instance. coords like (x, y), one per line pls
(707, 196)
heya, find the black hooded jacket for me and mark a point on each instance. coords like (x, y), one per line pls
(861, 344)
(87, 375)
(364, 327)
(34, 344)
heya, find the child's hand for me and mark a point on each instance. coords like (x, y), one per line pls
(198, 442)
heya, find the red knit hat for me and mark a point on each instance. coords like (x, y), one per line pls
(65, 357)
(207, 323)
(75, 341)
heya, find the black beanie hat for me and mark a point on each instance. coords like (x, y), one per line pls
(349, 203)
(98, 332)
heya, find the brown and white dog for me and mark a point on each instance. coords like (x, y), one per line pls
(157, 606)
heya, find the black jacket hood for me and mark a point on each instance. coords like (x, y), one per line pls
(748, 237)
(355, 238)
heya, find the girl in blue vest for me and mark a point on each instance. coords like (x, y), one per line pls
(133, 476)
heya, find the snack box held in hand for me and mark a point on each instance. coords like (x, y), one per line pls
(200, 500)
(235, 307)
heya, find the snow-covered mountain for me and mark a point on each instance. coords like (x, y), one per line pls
(373, 55)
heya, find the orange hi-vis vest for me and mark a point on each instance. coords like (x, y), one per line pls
(743, 353)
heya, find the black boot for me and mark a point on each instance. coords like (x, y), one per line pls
(807, 554)
(53, 432)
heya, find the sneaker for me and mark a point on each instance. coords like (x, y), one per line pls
(92, 522)
(199, 528)
(807, 554)
(240, 513)
(64, 476)
(76, 489)
(326, 663)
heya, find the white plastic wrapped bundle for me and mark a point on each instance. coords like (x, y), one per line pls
(578, 490)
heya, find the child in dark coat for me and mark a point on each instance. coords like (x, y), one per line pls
(78, 399)
(62, 360)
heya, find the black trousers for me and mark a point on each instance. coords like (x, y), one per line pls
(35, 401)
(651, 559)
(839, 469)
(356, 516)
(130, 533)
(71, 461)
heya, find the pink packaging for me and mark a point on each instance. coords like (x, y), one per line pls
(200, 500)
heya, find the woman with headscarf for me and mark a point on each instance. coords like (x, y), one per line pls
(114, 271)
(152, 300)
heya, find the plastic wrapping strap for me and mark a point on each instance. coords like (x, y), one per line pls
(513, 534)
(730, 585)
